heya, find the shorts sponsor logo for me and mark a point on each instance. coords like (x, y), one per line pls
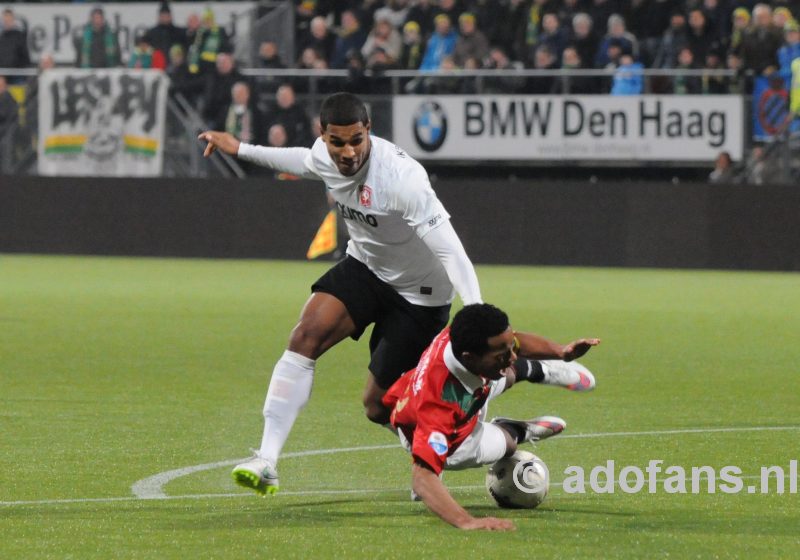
(435, 220)
(438, 443)
(430, 126)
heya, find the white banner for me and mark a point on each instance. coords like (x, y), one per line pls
(679, 128)
(102, 122)
(51, 27)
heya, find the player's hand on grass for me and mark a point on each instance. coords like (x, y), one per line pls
(221, 141)
(578, 348)
(488, 524)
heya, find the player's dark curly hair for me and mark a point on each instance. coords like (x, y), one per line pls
(342, 109)
(474, 325)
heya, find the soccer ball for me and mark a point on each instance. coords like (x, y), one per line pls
(520, 481)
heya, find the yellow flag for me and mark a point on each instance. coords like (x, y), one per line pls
(325, 240)
(795, 95)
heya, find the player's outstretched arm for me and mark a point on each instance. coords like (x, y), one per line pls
(296, 161)
(429, 487)
(578, 348)
(538, 347)
(221, 141)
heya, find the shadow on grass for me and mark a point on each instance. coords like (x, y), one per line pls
(388, 513)
(349, 512)
(544, 511)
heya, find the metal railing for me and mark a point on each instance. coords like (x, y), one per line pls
(21, 72)
(397, 78)
(184, 150)
(777, 161)
(183, 156)
(277, 25)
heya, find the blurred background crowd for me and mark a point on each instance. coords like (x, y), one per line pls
(369, 37)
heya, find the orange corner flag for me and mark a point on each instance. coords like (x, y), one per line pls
(325, 239)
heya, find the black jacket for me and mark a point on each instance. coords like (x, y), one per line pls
(14, 49)
(162, 37)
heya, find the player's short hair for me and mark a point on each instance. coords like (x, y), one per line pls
(474, 325)
(342, 109)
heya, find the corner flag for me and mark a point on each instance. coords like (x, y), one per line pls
(325, 239)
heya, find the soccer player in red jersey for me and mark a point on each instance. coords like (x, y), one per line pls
(439, 407)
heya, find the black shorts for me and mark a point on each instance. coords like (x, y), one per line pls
(402, 330)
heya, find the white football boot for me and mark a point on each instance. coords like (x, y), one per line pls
(538, 428)
(257, 474)
(570, 375)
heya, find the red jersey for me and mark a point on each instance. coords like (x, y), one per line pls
(434, 408)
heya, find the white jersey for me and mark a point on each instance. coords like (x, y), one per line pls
(389, 207)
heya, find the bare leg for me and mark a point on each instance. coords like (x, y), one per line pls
(324, 322)
(373, 407)
(511, 442)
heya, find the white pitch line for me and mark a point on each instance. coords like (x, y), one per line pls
(151, 488)
(242, 494)
(320, 492)
(685, 431)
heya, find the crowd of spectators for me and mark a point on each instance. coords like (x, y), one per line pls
(747, 37)
(368, 37)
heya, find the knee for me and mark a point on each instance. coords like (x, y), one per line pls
(307, 340)
(511, 446)
(376, 412)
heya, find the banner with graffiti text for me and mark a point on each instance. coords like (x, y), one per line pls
(102, 122)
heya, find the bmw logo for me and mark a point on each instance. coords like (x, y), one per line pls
(430, 126)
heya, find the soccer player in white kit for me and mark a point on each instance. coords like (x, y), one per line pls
(404, 262)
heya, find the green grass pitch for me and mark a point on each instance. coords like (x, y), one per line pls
(115, 370)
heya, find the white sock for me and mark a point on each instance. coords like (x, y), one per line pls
(288, 393)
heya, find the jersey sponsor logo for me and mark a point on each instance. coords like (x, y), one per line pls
(430, 126)
(365, 196)
(422, 368)
(438, 443)
(419, 376)
(356, 215)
